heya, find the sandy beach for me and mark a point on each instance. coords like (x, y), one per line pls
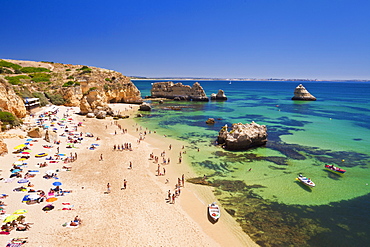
(139, 215)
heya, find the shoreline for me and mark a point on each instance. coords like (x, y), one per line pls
(137, 216)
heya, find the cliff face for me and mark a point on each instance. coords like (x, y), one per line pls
(170, 90)
(72, 85)
(301, 93)
(10, 101)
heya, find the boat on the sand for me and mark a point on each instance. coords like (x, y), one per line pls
(214, 211)
(305, 181)
(335, 169)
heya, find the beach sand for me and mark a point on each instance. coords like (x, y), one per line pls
(136, 216)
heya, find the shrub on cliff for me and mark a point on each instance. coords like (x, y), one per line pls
(43, 100)
(71, 84)
(33, 70)
(39, 77)
(56, 99)
(15, 80)
(4, 63)
(8, 118)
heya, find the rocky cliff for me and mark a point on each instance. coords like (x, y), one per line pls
(219, 96)
(10, 101)
(243, 136)
(301, 93)
(170, 90)
(65, 84)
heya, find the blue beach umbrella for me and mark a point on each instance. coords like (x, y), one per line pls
(95, 144)
(21, 181)
(29, 140)
(16, 170)
(62, 154)
(57, 183)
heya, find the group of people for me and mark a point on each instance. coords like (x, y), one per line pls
(18, 224)
(125, 146)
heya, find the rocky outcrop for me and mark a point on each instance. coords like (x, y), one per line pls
(243, 136)
(10, 101)
(301, 93)
(50, 136)
(101, 114)
(169, 90)
(145, 107)
(3, 148)
(210, 121)
(219, 96)
(35, 133)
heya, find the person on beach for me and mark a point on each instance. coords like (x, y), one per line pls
(108, 188)
(130, 166)
(173, 198)
(164, 171)
(183, 180)
(101, 157)
(124, 183)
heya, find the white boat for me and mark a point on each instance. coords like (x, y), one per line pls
(214, 211)
(306, 181)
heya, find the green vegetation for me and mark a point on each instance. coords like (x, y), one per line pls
(5, 71)
(56, 99)
(4, 63)
(43, 100)
(15, 80)
(8, 118)
(23, 92)
(71, 84)
(39, 77)
(33, 70)
(70, 77)
(68, 69)
(108, 79)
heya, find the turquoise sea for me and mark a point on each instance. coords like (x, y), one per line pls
(258, 187)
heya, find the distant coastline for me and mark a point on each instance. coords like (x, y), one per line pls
(138, 78)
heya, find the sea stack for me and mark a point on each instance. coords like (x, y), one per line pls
(178, 91)
(301, 93)
(219, 96)
(243, 136)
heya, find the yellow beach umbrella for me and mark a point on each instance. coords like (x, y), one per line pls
(21, 159)
(20, 146)
(11, 218)
(20, 211)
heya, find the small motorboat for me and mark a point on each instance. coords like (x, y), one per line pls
(305, 181)
(214, 211)
(335, 169)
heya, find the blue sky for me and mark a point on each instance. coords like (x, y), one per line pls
(211, 38)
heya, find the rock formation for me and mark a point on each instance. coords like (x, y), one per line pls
(10, 101)
(169, 90)
(210, 121)
(301, 93)
(35, 133)
(3, 148)
(145, 107)
(243, 136)
(219, 96)
(50, 136)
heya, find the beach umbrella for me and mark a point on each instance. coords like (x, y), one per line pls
(25, 153)
(27, 150)
(62, 154)
(57, 183)
(48, 207)
(20, 146)
(29, 140)
(11, 218)
(20, 211)
(21, 159)
(95, 144)
(33, 197)
(21, 181)
(19, 163)
(16, 170)
(51, 199)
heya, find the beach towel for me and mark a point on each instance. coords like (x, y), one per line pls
(67, 206)
(15, 242)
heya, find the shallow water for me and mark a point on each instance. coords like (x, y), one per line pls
(303, 136)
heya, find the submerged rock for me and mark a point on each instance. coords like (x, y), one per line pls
(243, 136)
(210, 121)
(219, 96)
(301, 93)
(145, 107)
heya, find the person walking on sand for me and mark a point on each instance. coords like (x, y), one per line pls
(108, 188)
(183, 180)
(124, 184)
(173, 198)
(130, 166)
(101, 157)
(164, 171)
